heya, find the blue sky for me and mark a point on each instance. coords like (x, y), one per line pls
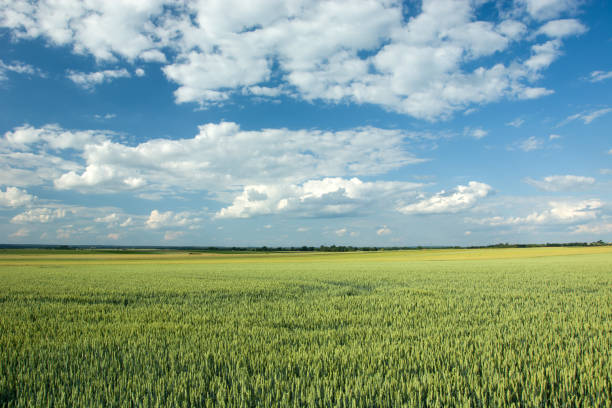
(368, 122)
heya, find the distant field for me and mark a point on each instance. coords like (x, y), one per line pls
(485, 327)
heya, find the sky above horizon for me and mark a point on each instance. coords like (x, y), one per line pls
(289, 123)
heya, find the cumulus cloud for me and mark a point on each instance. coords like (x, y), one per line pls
(167, 219)
(459, 199)
(42, 215)
(340, 232)
(542, 55)
(561, 182)
(35, 156)
(90, 80)
(559, 212)
(476, 133)
(562, 28)
(113, 220)
(325, 197)
(15, 197)
(26, 138)
(127, 222)
(263, 91)
(113, 236)
(384, 230)
(218, 158)
(109, 219)
(547, 9)
(598, 228)
(428, 65)
(102, 29)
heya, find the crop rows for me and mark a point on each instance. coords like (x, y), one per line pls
(520, 332)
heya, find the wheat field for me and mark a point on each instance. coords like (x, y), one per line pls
(476, 328)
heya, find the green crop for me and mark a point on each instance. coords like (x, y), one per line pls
(481, 328)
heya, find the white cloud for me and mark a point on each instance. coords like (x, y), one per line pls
(340, 232)
(303, 229)
(113, 236)
(325, 197)
(586, 117)
(105, 117)
(51, 136)
(42, 215)
(36, 164)
(18, 67)
(263, 91)
(559, 212)
(530, 144)
(554, 137)
(364, 51)
(139, 72)
(152, 56)
(15, 197)
(100, 28)
(90, 80)
(476, 133)
(592, 228)
(384, 230)
(533, 93)
(547, 9)
(166, 219)
(20, 233)
(598, 76)
(172, 235)
(561, 183)
(562, 28)
(542, 55)
(516, 122)
(458, 199)
(113, 220)
(467, 233)
(109, 219)
(219, 158)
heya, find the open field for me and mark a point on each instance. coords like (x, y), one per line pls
(485, 327)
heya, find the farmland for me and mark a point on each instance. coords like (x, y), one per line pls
(486, 327)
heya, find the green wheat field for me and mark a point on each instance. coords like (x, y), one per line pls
(437, 328)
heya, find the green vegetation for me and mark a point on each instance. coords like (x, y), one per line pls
(486, 327)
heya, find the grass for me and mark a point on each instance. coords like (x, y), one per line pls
(487, 327)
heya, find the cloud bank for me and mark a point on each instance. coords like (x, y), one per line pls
(426, 60)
